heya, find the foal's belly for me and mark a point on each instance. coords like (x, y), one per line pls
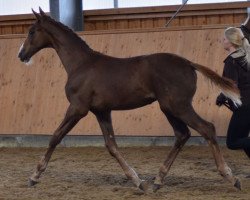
(116, 102)
(133, 105)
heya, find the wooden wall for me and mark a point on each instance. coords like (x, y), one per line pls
(32, 99)
(141, 18)
(157, 17)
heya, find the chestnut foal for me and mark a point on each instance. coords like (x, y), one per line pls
(101, 83)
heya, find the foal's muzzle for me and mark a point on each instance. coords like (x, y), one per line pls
(23, 57)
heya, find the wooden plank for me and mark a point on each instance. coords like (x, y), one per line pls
(160, 22)
(18, 29)
(111, 25)
(213, 19)
(175, 23)
(227, 19)
(147, 23)
(100, 25)
(239, 18)
(200, 20)
(6, 30)
(134, 23)
(164, 14)
(122, 24)
(89, 26)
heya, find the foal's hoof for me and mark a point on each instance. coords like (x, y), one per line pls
(31, 182)
(156, 187)
(237, 184)
(143, 186)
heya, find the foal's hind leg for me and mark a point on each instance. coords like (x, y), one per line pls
(71, 118)
(182, 134)
(105, 122)
(207, 130)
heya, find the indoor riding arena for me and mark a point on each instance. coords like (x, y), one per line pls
(57, 92)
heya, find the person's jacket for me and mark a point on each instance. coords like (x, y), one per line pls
(237, 69)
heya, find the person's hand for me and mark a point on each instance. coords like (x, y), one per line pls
(221, 99)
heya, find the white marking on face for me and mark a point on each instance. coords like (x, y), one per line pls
(30, 62)
(21, 47)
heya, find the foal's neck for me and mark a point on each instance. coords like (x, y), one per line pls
(71, 49)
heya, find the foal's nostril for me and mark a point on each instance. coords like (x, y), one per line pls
(21, 57)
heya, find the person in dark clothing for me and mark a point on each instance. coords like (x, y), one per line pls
(237, 68)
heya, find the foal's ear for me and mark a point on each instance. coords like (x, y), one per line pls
(41, 11)
(38, 17)
(247, 22)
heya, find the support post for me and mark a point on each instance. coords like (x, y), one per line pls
(68, 12)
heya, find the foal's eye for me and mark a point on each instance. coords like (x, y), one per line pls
(31, 33)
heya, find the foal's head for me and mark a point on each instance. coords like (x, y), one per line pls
(246, 28)
(37, 38)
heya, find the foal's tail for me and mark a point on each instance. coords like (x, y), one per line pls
(227, 86)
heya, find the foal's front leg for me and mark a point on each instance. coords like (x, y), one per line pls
(70, 120)
(105, 122)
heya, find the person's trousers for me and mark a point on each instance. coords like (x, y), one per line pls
(238, 130)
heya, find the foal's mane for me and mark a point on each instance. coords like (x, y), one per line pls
(66, 29)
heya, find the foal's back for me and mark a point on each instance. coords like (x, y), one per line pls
(127, 83)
